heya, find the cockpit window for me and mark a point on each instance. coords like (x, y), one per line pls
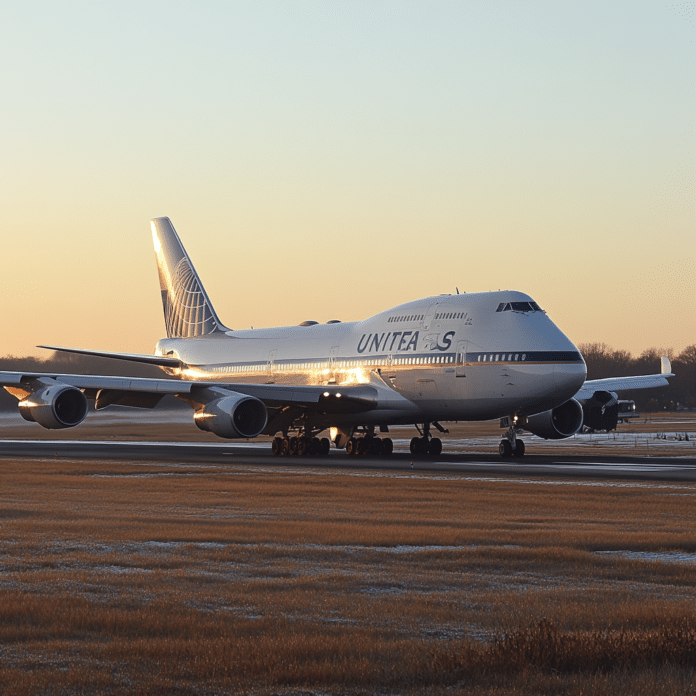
(519, 307)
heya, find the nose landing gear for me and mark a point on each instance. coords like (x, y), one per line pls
(511, 445)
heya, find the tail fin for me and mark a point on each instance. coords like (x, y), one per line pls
(187, 309)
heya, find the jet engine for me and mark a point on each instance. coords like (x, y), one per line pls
(232, 416)
(55, 406)
(601, 412)
(558, 423)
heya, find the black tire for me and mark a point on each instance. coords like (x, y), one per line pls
(436, 446)
(352, 447)
(275, 446)
(387, 446)
(375, 446)
(519, 449)
(324, 446)
(505, 448)
(415, 445)
(293, 446)
(363, 446)
(302, 446)
(284, 447)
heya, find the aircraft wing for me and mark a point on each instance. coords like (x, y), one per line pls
(146, 393)
(617, 384)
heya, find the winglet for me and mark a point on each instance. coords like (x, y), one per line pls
(666, 366)
(187, 310)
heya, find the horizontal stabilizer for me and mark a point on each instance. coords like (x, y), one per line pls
(159, 360)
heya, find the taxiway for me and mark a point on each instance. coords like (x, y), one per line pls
(553, 465)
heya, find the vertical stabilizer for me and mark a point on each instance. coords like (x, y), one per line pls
(187, 309)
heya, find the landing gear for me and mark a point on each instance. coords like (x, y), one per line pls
(426, 444)
(511, 445)
(374, 446)
(300, 446)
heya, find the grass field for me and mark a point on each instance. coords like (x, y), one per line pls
(167, 578)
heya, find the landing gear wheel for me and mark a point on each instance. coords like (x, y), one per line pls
(284, 447)
(324, 446)
(519, 449)
(314, 446)
(293, 446)
(415, 445)
(363, 446)
(436, 446)
(505, 448)
(387, 446)
(352, 447)
(375, 446)
(275, 446)
(302, 446)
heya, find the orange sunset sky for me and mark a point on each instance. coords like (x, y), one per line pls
(330, 160)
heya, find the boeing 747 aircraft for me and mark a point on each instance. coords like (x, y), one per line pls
(476, 356)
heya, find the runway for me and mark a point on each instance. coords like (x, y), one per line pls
(553, 465)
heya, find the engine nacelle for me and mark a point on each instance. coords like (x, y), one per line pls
(233, 416)
(563, 421)
(601, 412)
(55, 406)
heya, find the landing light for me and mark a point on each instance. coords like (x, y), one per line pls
(338, 395)
(326, 394)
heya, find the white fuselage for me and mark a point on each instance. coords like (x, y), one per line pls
(451, 357)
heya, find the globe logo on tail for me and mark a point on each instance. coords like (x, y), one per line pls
(187, 311)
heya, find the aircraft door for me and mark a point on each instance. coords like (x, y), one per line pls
(460, 359)
(271, 365)
(430, 314)
(332, 365)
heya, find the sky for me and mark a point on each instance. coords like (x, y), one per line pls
(329, 160)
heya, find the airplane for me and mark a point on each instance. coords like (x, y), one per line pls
(462, 357)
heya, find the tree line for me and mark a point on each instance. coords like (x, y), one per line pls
(603, 361)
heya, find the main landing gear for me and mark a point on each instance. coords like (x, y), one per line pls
(370, 444)
(511, 445)
(300, 446)
(426, 444)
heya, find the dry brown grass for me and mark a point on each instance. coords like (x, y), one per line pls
(165, 578)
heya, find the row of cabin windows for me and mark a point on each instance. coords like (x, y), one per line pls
(341, 364)
(450, 315)
(495, 357)
(419, 317)
(407, 317)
